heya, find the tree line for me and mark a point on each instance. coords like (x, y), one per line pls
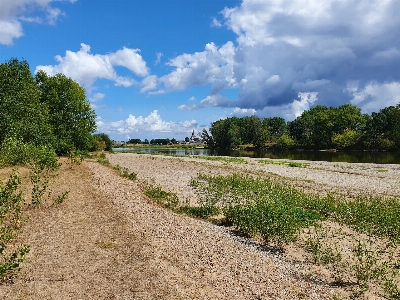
(44, 110)
(320, 127)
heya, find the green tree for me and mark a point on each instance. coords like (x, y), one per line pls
(21, 113)
(275, 127)
(70, 116)
(104, 141)
(349, 138)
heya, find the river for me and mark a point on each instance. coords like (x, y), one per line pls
(377, 157)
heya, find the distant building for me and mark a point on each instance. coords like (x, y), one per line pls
(194, 139)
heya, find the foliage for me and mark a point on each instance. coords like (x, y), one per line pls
(287, 163)
(10, 219)
(160, 141)
(317, 126)
(285, 142)
(235, 160)
(124, 172)
(43, 168)
(250, 202)
(161, 197)
(104, 142)
(21, 112)
(69, 113)
(135, 141)
(347, 139)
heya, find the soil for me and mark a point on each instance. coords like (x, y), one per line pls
(109, 241)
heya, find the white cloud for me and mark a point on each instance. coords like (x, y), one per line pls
(158, 57)
(214, 65)
(97, 97)
(152, 125)
(12, 12)
(210, 101)
(86, 68)
(10, 30)
(215, 23)
(130, 59)
(291, 110)
(149, 83)
(375, 96)
(285, 48)
(243, 112)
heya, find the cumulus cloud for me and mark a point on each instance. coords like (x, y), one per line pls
(210, 101)
(86, 68)
(213, 65)
(152, 125)
(289, 48)
(13, 12)
(375, 96)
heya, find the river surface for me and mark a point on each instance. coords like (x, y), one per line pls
(339, 156)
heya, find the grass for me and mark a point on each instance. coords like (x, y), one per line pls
(278, 213)
(294, 164)
(245, 200)
(382, 171)
(225, 159)
(161, 197)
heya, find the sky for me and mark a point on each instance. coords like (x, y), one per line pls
(163, 68)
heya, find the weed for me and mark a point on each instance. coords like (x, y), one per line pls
(199, 212)
(106, 245)
(235, 160)
(124, 172)
(61, 198)
(75, 157)
(382, 171)
(286, 163)
(163, 198)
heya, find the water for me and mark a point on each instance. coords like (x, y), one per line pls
(340, 156)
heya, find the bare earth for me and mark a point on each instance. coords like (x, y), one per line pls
(108, 241)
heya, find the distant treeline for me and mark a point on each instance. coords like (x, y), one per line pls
(166, 141)
(320, 127)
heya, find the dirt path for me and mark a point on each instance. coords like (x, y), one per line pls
(107, 241)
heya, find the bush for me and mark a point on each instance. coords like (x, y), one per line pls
(103, 142)
(10, 219)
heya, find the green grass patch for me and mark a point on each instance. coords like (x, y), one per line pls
(277, 212)
(161, 197)
(383, 171)
(225, 159)
(294, 164)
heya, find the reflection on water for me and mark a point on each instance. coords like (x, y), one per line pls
(351, 156)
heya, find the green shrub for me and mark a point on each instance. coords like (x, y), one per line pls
(10, 219)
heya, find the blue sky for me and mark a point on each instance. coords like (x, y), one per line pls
(157, 69)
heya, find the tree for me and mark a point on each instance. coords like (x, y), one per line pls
(173, 141)
(104, 141)
(21, 113)
(207, 138)
(70, 116)
(275, 127)
(345, 140)
(187, 140)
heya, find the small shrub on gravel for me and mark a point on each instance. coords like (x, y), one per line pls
(163, 198)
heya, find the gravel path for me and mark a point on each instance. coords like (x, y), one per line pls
(108, 241)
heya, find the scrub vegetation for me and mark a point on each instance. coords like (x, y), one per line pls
(355, 239)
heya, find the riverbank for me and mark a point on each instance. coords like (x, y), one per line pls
(110, 241)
